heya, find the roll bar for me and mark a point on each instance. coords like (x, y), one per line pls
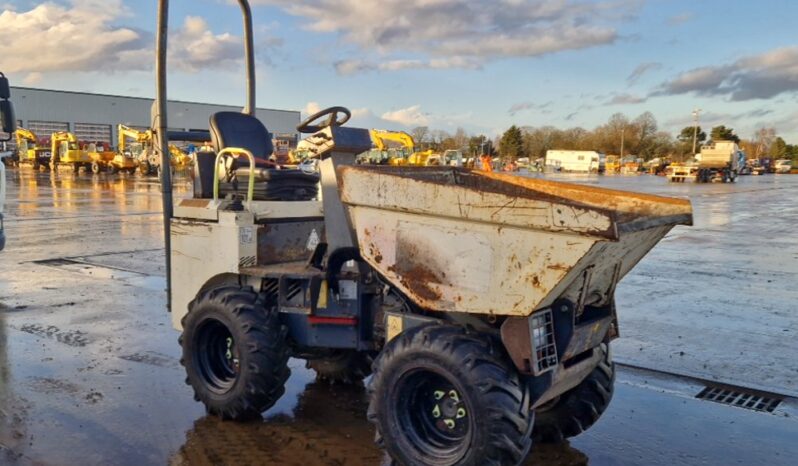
(159, 118)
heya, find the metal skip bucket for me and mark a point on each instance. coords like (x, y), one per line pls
(459, 240)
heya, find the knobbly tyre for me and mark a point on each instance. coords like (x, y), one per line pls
(485, 301)
(8, 125)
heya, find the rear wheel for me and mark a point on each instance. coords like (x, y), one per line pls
(578, 409)
(95, 168)
(235, 352)
(343, 366)
(443, 396)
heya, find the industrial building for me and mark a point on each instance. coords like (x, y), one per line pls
(94, 117)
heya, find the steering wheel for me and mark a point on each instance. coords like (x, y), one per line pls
(332, 119)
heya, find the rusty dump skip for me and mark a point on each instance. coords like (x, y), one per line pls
(469, 241)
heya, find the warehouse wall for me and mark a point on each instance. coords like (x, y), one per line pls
(97, 113)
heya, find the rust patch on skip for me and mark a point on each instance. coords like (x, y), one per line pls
(417, 279)
(558, 267)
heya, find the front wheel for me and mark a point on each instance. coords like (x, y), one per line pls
(96, 168)
(441, 395)
(235, 352)
(578, 409)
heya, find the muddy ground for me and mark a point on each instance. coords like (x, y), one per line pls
(89, 370)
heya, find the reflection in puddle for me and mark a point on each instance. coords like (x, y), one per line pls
(328, 427)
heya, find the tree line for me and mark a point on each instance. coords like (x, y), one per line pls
(640, 137)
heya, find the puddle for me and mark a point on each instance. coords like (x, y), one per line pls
(131, 277)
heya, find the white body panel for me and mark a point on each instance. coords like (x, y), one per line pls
(783, 166)
(718, 155)
(203, 250)
(585, 161)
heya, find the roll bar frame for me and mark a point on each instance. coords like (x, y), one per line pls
(159, 119)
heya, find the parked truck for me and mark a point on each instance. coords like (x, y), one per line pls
(719, 161)
(575, 161)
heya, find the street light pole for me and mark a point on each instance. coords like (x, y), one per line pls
(622, 131)
(696, 112)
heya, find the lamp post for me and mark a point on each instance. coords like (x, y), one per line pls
(623, 129)
(696, 112)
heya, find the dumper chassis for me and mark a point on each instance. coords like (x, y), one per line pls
(481, 305)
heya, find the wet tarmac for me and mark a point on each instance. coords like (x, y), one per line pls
(89, 370)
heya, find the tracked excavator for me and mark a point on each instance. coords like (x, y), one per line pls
(30, 150)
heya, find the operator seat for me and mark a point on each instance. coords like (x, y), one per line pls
(234, 129)
(241, 130)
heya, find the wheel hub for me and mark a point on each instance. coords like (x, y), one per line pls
(448, 409)
(217, 357)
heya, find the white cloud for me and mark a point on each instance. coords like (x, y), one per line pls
(759, 76)
(625, 99)
(87, 35)
(194, 47)
(360, 116)
(522, 106)
(77, 37)
(642, 69)
(680, 19)
(410, 116)
(32, 79)
(405, 34)
(351, 66)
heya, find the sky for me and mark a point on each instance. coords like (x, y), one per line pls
(482, 65)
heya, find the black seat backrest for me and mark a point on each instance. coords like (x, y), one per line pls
(234, 129)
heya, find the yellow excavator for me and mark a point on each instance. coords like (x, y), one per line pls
(386, 153)
(30, 151)
(612, 165)
(104, 158)
(67, 152)
(138, 147)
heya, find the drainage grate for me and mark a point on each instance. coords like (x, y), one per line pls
(740, 397)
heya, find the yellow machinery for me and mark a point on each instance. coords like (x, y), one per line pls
(612, 165)
(137, 146)
(406, 154)
(66, 151)
(105, 159)
(30, 151)
(630, 166)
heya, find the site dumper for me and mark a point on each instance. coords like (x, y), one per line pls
(481, 305)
